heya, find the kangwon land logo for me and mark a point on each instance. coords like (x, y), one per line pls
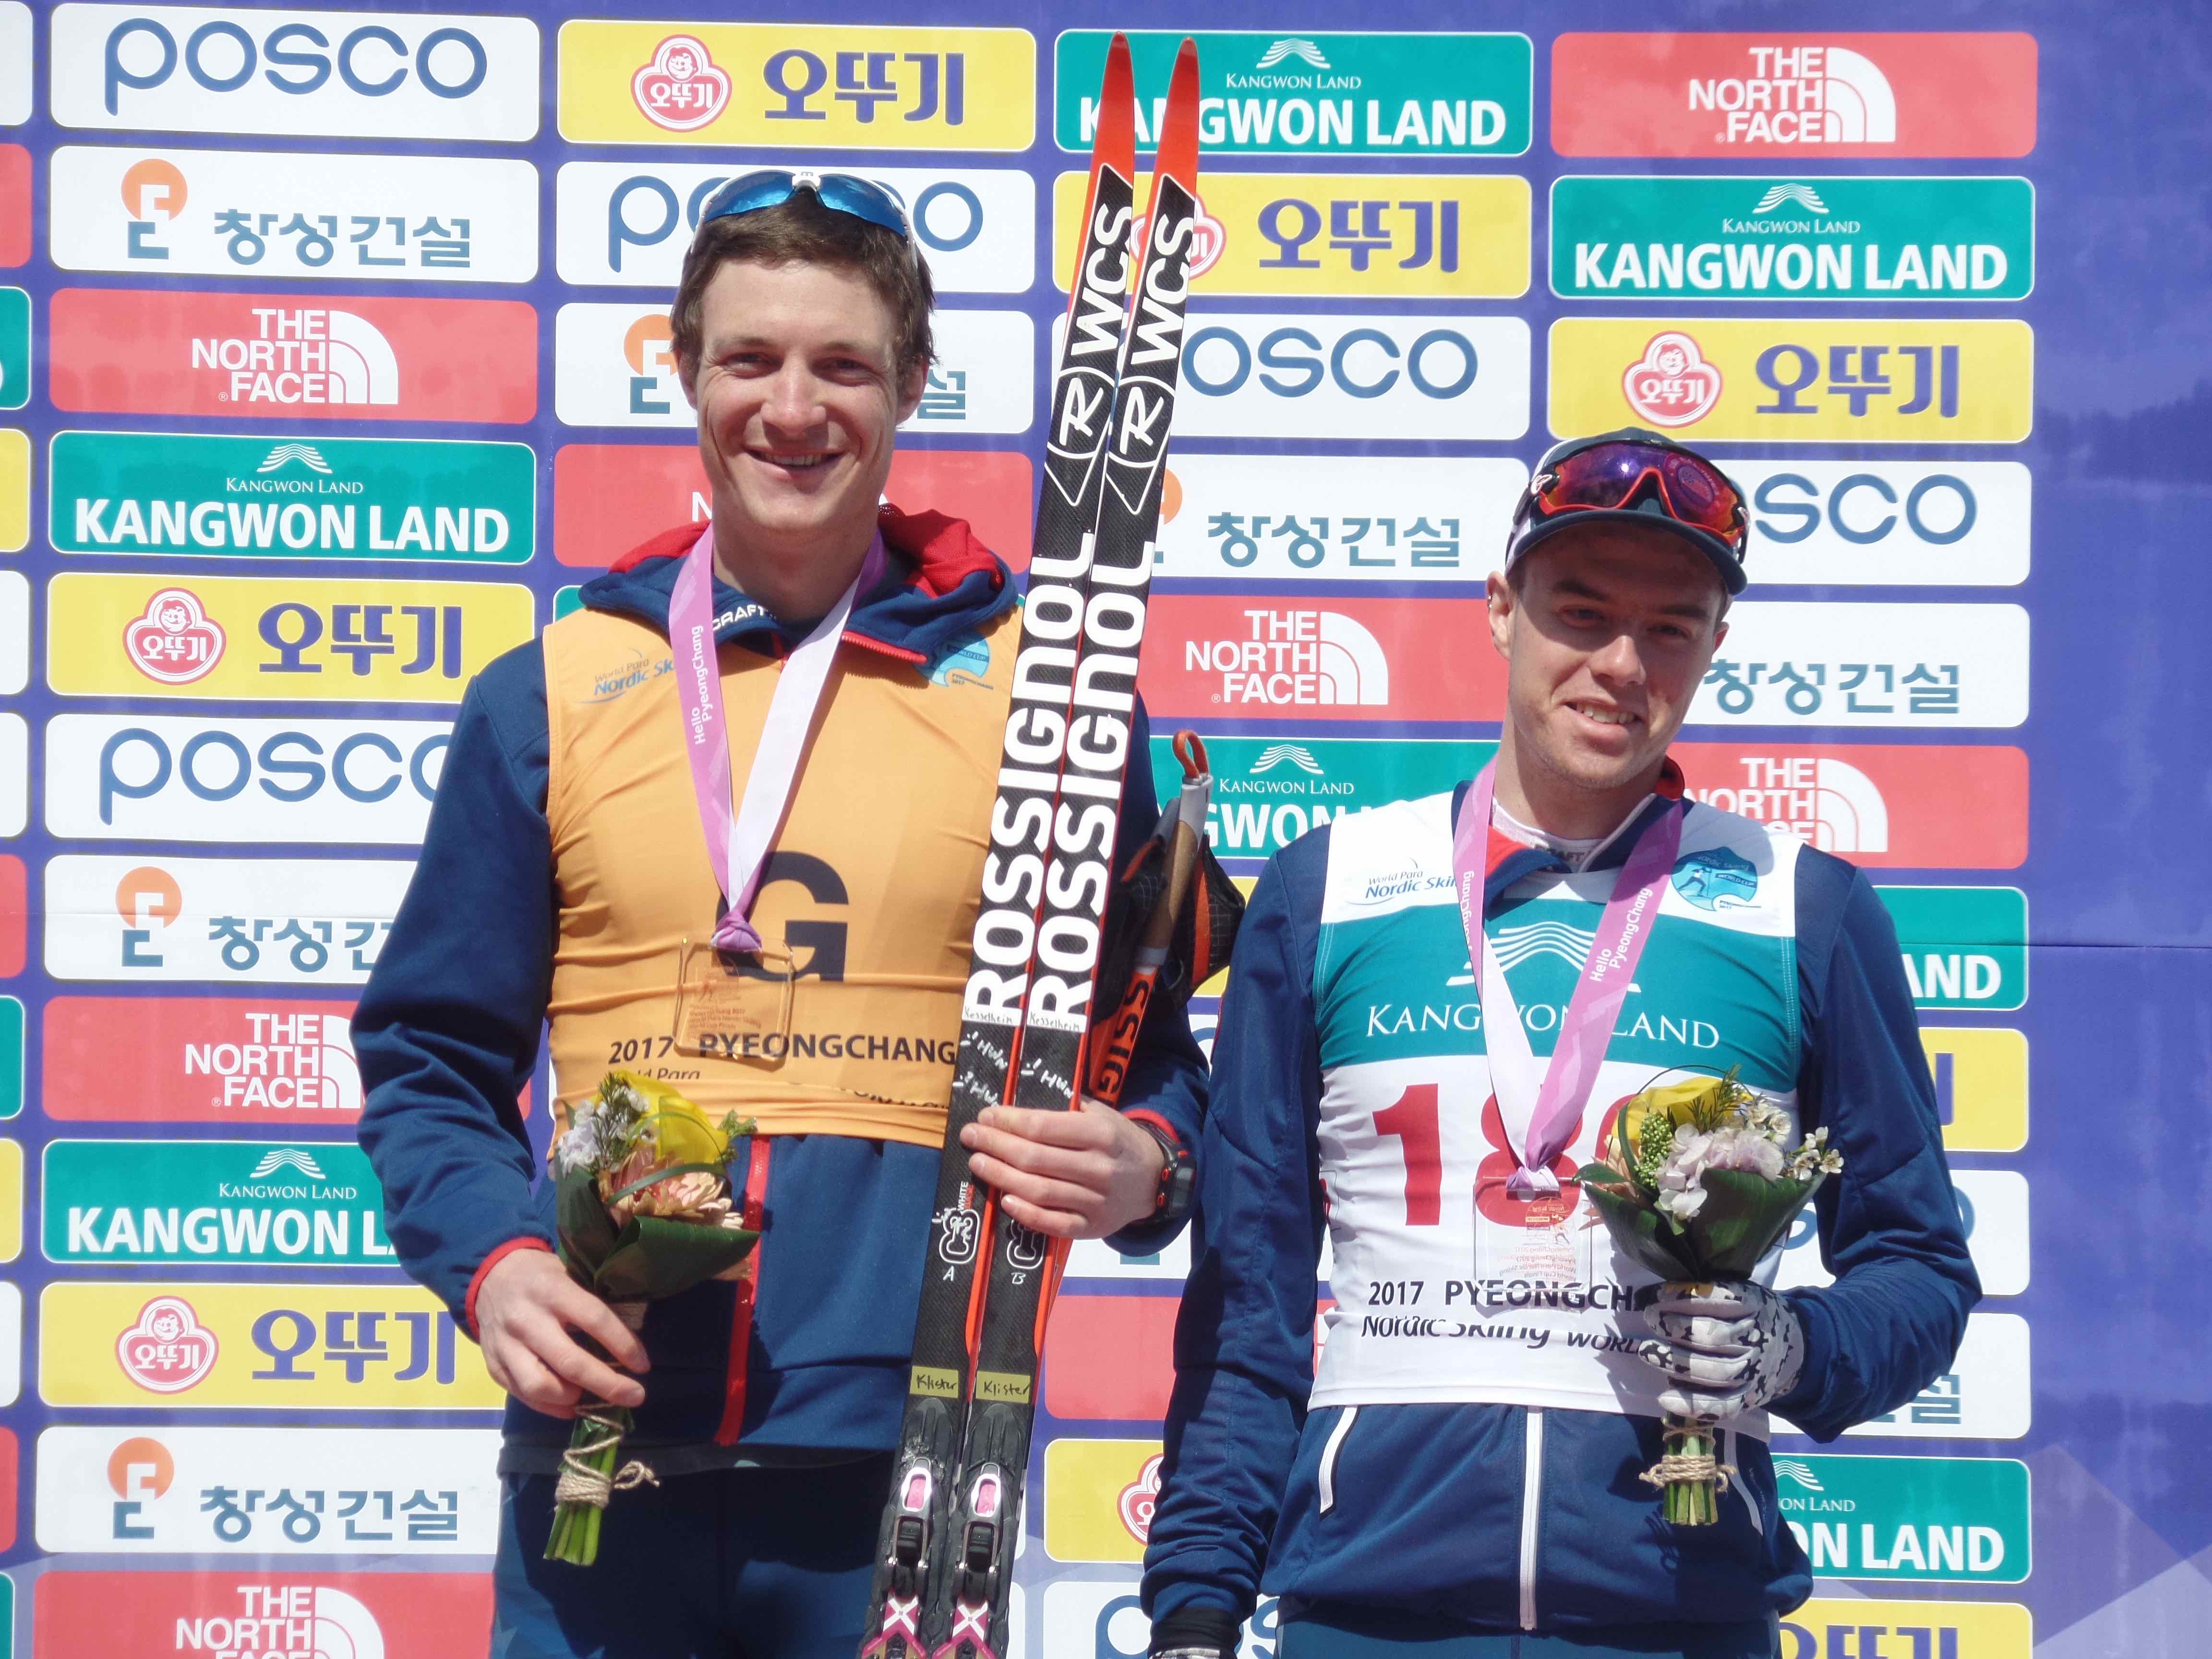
(212, 1200)
(1349, 94)
(1782, 238)
(1268, 792)
(338, 498)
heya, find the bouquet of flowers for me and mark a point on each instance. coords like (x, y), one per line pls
(644, 1210)
(1699, 1183)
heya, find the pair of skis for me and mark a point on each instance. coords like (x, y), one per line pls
(945, 1560)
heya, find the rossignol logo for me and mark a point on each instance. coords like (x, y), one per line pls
(1148, 381)
(682, 87)
(1067, 736)
(1083, 402)
(175, 641)
(166, 1352)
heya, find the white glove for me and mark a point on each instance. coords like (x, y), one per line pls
(1724, 1348)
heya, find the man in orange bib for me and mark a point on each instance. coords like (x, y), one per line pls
(585, 867)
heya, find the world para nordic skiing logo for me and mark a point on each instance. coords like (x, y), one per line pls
(1716, 879)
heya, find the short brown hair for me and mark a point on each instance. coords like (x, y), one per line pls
(801, 231)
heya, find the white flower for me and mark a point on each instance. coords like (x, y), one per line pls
(580, 1148)
(1740, 1149)
(1682, 1205)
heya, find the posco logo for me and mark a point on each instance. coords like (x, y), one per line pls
(199, 69)
(288, 767)
(220, 56)
(1362, 363)
(1313, 375)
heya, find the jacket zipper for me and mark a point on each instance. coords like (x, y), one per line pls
(1532, 1500)
(1329, 1454)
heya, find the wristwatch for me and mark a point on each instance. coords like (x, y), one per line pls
(1178, 1185)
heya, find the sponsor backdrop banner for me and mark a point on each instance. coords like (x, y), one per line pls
(335, 357)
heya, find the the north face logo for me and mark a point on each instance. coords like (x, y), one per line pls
(1294, 658)
(304, 355)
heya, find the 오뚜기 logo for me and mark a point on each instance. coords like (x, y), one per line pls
(682, 88)
(167, 1352)
(1140, 1497)
(1672, 384)
(176, 641)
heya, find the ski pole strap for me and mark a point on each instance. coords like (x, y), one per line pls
(737, 845)
(1549, 1111)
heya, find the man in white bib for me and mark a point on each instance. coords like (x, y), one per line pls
(1458, 1475)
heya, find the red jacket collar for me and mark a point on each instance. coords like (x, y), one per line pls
(942, 550)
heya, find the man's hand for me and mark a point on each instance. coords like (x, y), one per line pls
(525, 1308)
(1084, 1174)
(1724, 1348)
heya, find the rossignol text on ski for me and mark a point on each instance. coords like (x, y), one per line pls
(946, 1558)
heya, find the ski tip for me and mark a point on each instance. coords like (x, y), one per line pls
(1178, 151)
(1116, 144)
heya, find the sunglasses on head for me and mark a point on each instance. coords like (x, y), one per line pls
(841, 192)
(1618, 473)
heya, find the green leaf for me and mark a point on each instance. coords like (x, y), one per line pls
(587, 1232)
(1744, 1216)
(1641, 1234)
(655, 1258)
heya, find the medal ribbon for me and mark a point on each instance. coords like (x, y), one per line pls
(738, 846)
(1586, 1031)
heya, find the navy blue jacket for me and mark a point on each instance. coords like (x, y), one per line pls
(447, 1034)
(1430, 1506)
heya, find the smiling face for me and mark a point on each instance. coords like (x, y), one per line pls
(1606, 633)
(798, 395)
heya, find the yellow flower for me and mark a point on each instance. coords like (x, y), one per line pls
(1698, 1101)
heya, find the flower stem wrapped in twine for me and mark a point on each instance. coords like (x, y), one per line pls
(588, 1474)
(1689, 1475)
